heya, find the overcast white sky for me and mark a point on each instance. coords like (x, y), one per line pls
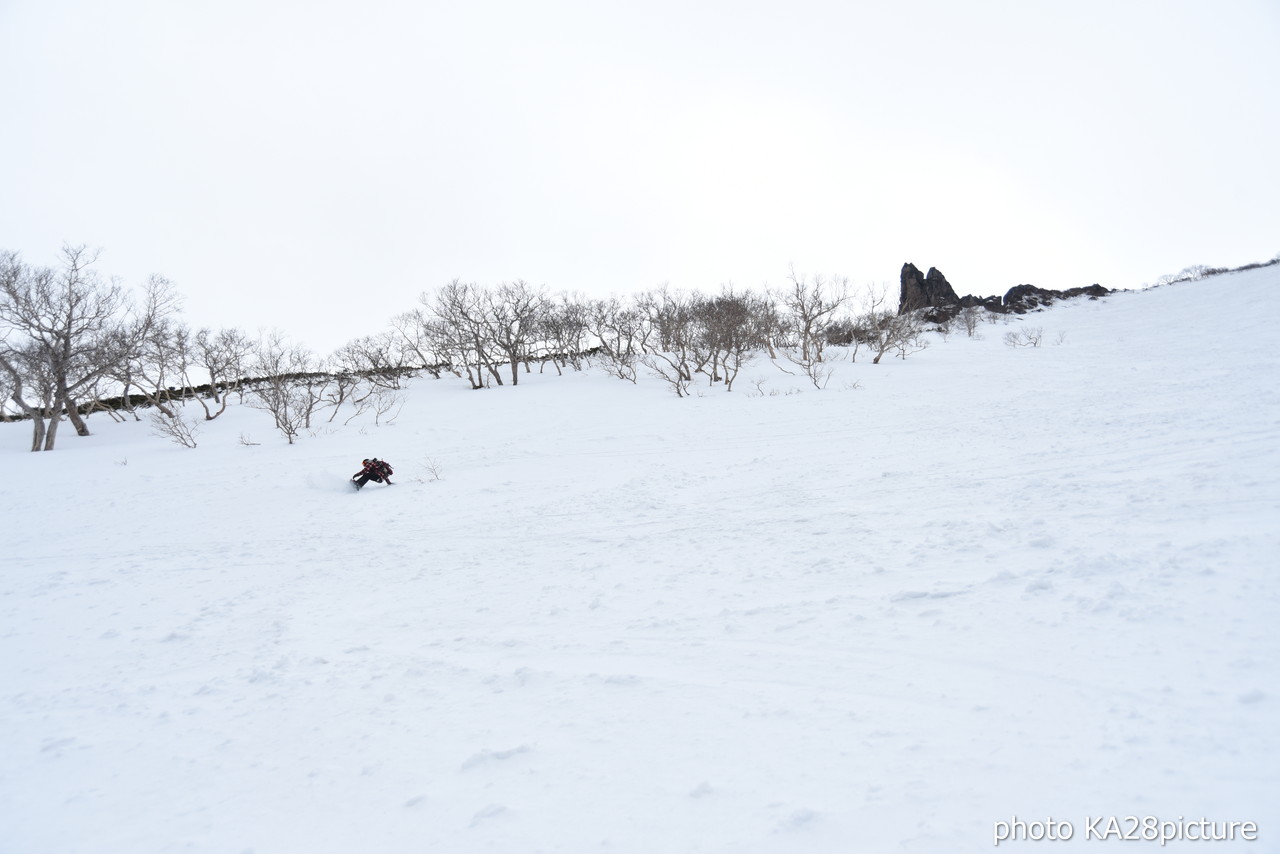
(313, 166)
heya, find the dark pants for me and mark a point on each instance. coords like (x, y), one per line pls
(365, 477)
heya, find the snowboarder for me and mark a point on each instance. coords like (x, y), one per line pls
(375, 470)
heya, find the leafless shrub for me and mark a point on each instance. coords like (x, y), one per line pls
(343, 388)
(884, 330)
(433, 469)
(666, 367)
(366, 374)
(911, 340)
(291, 386)
(386, 406)
(177, 428)
(813, 305)
(620, 364)
(818, 373)
(969, 318)
(247, 440)
(1025, 336)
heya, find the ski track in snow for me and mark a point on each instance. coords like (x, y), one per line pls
(988, 582)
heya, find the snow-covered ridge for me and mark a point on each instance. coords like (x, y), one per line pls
(983, 582)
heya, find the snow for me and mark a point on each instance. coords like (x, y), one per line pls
(980, 583)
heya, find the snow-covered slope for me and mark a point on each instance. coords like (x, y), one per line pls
(984, 582)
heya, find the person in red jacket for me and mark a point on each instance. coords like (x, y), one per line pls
(376, 470)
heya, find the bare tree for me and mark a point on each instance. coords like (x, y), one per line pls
(28, 375)
(771, 325)
(7, 388)
(386, 404)
(813, 305)
(290, 385)
(448, 339)
(377, 359)
(459, 329)
(345, 382)
(885, 330)
(564, 330)
(970, 317)
(69, 315)
(154, 350)
(911, 334)
(674, 319)
(412, 331)
(224, 355)
(623, 332)
(732, 326)
(367, 373)
(511, 317)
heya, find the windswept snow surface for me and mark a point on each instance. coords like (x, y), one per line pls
(986, 582)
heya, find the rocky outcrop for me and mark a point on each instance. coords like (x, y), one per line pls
(928, 291)
(934, 294)
(1023, 298)
(989, 303)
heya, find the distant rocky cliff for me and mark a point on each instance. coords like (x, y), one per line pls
(932, 292)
